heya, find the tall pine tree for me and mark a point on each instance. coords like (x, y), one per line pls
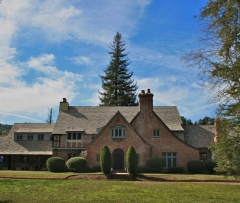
(118, 87)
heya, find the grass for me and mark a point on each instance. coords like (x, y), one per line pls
(114, 191)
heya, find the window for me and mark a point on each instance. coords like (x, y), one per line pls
(170, 159)
(40, 137)
(203, 156)
(30, 137)
(156, 133)
(74, 136)
(56, 140)
(118, 132)
(19, 137)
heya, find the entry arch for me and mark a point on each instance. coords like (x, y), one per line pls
(118, 159)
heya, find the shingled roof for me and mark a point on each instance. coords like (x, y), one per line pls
(199, 136)
(92, 119)
(9, 146)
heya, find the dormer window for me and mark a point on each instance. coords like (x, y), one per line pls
(40, 137)
(118, 131)
(74, 136)
(19, 137)
(30, 137)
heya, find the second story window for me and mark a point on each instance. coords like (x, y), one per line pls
(74, 136)
(30, 137)
(156, 133)
(118, 132)
(19, 137)
(40, 137)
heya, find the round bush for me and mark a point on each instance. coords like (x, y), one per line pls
(131, 160)
(77, 164)
(155, 164)
(56, 164)
(209, 166)
(195, 166)
(105, 160)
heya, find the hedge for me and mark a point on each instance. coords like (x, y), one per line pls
(56, 164)
(131, 161)
(105, 160)
(77, 164)
(195, 166)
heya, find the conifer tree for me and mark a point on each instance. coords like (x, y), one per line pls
(119, 89)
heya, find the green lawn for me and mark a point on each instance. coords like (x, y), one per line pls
(115, 191)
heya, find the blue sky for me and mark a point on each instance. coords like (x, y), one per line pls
(55, 49)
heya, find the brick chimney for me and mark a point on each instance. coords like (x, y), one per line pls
(63, 105)
(146, 101)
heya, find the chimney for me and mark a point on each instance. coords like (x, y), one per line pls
(146, 101)
(63, 105)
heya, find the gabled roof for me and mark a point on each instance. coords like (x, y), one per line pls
(9, 146)
(199, 136)
(92, 119)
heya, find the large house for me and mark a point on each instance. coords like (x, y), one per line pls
(154, 131)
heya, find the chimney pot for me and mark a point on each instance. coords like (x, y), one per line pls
(64, 100)
(143, 92)
(148, 91)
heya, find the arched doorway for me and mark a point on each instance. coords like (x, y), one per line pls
(118, 160)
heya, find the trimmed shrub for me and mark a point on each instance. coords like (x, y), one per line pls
(175, 170)
(131, 161)
(155, 164)
(105, 160)
(77, 164)
(56, 164)
(209, 166)
(94, 169)
(195, 166)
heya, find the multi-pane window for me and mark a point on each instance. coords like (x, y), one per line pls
(40, 137)
(19, 137)
(74, 136)
(156, 133)
(203, 156)
(118, 132)
(170, 159)
(56, 140)
(30, 137)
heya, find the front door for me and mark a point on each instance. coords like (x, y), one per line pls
(118, 160)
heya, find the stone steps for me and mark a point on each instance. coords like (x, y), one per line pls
(120, 176)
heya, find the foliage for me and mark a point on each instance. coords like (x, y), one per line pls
(219, 64)
(94, 169)
(195, 166)
(50, 116)
(209, 166)
(186, 121)
(227, 148)
(118, 87)
(105, 160)
(4, 129)
(76, 164)
(155, 164)
(131, 160)
(56, 164)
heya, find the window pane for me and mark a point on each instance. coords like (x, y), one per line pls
(74, 136)
(79, 136)
(116, 132)
(164, 154)
(169, 164)
(169, 153)
(174, 162)
(120, 132)
(69, 136)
